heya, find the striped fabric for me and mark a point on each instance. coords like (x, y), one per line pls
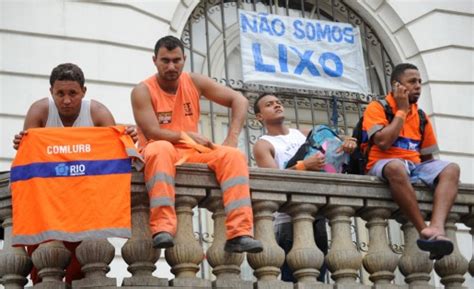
(72, 184)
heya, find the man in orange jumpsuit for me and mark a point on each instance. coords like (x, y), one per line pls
(166, 110)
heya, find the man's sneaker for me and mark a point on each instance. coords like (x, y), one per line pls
(243, 244)
(163, 240)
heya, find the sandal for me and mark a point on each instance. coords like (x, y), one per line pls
(438, 246)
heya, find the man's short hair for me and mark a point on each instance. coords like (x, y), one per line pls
(399, 70)
(256, 108)
(67, 72)
(169, 42)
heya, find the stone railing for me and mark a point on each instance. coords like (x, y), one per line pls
(301, 194)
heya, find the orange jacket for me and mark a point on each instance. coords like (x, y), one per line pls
(72, 184)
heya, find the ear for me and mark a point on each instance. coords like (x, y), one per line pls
(259, 117)
(154, 58)
(84, 89)
(51, 90)
(184, 57)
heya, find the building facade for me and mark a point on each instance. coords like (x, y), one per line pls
(112, 41)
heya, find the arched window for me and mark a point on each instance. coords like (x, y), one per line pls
(211, 37)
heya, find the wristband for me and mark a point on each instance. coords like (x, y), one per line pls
(300, 166)
(401, 114)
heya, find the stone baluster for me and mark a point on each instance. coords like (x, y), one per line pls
(414, 264)
(186, 255)
(343, 259)
(268, 262)
(226, 266)
(51, 259)
(95, 257)
(380, 261)
(452, 268)
(469, 221)
(138, 252)
(15, 264)
(305, 258)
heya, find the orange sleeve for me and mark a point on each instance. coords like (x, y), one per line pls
(429, 145)
(374, 118)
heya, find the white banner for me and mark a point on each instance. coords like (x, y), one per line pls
(301, 53)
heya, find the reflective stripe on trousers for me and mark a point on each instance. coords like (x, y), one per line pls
(230, 167)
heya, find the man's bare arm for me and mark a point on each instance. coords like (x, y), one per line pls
(101, 115)
(146, 119)
(385, 137)
(264, 155)
(226, 97)
(35, 117)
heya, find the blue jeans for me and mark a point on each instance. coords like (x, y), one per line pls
(284, 238)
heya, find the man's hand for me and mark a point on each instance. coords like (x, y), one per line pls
(315, 162)
(17, 139)
(348, 146)
(400, 94)
(231, 142)
(199, 139)
(132, 132)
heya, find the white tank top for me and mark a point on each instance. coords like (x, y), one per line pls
(83, 119)
(285, 147)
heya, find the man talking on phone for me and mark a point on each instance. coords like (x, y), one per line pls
(402, 154)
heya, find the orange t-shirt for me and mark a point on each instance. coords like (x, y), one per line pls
(408, 145)
(178, 112)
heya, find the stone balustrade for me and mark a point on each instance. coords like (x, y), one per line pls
(300, 194)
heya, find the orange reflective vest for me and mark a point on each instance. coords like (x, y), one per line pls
(72, 184)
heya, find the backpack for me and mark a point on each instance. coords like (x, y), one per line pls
(321, 139)
(358, 159)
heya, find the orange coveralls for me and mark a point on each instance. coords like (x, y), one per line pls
(180, 112)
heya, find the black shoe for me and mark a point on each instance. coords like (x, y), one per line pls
(163, 240)
(243, 244)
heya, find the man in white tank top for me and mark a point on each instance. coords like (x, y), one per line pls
(66, 108)
(274, 150)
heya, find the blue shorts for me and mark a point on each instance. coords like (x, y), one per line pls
(426, 172)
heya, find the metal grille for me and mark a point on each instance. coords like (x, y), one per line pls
(211, 38)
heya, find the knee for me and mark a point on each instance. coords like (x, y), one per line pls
(395, 171)
(451, 172)
(157, 148)
(230, 153)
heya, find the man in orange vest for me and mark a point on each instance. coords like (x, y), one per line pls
(166, 109)
(66, 108)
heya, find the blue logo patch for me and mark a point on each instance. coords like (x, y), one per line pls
(62, 170)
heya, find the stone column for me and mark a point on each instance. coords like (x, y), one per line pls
(469, 221)
(414, 264)
(15, 264)
(226, 266)
(452, 268)
(268, 262)
(95, 257)
(380, 261)
(343, 260)
(138, 252)
(305, 258)
(51, 260)
(186, 255)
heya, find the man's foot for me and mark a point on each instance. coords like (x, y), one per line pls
(438, 246)
(163, 240)
(243, 244)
